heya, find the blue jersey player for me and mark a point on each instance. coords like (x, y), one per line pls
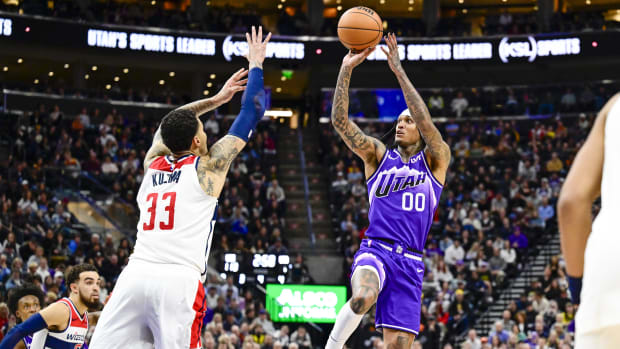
(404, 185)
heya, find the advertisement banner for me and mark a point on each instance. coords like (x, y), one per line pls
(305, 303)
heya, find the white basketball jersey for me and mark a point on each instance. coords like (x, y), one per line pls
(176, 216)
(600, 295)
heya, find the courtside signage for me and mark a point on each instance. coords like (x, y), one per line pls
(305, 303)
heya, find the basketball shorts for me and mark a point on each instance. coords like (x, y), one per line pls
(400, 275)
(152, 306)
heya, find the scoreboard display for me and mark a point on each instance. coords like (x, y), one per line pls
(255, 268)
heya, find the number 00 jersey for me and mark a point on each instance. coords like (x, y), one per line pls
(403, 198)
(176, 215)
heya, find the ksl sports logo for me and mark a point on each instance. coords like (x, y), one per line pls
(279, 50)
(531, 48)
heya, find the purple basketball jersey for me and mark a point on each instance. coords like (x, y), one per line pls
(403, 198)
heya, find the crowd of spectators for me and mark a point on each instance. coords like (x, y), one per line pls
(497, 206)
(293, 21)
(543, 316)
(52, 151)
(487, 101)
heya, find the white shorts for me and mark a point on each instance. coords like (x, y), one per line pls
(605, 338)
(152, 306)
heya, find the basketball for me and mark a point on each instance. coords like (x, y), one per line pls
(360, 27)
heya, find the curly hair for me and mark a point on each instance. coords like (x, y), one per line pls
(178, 129)
(27, 290)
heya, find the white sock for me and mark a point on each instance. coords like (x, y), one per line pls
(346, 322)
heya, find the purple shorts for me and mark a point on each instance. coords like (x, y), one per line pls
(400, 277)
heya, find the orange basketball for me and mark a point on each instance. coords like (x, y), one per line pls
(360, 27)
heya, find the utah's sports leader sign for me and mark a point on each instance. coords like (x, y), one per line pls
(306, 49)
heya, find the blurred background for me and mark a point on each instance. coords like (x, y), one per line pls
(513, 85)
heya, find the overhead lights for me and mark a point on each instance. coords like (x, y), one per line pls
(171, 74)
(283, 78)
(205, 92)
(86, 77)
(410, 2)
(279, 6)
(125, 71)
(382, 2)
(338, 1)
(108, 86)
(588, 2)
(410, 8)
(36, 81)
(212, 76)
(94, 68)
(161, 82)
(116, 78)
(339, 8)
(461, 1)
(5, 68)
(464, 10)
(279, 89)
(20, 60)
(66, 65)
(209, 84)
(153, 2)
(208, 3)
(50, 74)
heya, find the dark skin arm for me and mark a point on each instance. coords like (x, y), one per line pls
(437, 151)
(369, 149)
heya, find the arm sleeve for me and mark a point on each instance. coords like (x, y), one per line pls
(33, 324)
(252, 106)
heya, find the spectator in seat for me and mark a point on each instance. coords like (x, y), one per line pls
(454, 253)
(277, 190)
(459, 104)
(517, 239)
(499, 332)
(473, 340)
(302, 338)
(555, 164)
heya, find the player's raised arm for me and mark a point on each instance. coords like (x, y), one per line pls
(367, 148)
(438, 150)
(581, 188)
(212, 169)
(233, 85)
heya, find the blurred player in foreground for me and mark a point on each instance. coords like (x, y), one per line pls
(63, 324)
(404, 185)
(159, 299)
(591, 249)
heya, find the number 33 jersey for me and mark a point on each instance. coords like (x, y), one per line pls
(403, 198)
(176, 216)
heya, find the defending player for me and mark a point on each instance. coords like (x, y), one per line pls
(159, 298)
(24, 302)
(595, 172)
(404, 185)
(63, 324)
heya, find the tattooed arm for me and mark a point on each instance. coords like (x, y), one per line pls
(369, 149)
(212, 169)
(436, 150)
(233, 85)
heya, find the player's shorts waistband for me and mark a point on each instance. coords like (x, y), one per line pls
(394, 247)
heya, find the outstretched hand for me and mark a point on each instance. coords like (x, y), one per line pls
(233, 85)
(392, 53)
(257, 48)
(352, 60)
